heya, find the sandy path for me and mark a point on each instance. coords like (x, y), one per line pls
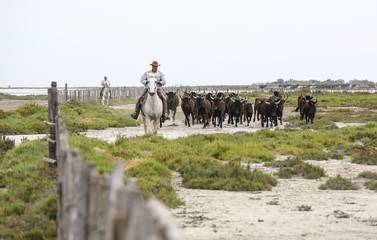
(275, 214)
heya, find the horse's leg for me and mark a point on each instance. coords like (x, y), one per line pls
(145, 124)
(149, 125)
(155, 126)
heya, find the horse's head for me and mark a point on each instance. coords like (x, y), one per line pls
(151, 83)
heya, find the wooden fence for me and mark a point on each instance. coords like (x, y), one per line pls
(93, 208)
(118, 93)
(86, 94)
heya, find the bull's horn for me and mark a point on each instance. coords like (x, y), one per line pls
(278, 102)
(231, 99)
(268, 103)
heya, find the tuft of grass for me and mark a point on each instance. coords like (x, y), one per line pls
(338, 183)
(6, 144)
(371, 185)
(297, 167)
(368, 175)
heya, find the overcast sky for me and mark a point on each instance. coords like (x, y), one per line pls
(197, 42)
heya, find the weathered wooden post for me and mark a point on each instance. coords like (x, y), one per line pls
(66, 92)
(53, 108)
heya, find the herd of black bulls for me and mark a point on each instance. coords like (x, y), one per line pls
(207, 107)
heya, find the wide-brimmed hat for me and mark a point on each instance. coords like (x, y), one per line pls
(155, 63)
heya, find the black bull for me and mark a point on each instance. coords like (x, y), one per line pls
(234, 110)
(247, 111)
(172, 102)
(309, 110)
(218, 111)
(269, 112)
(203, 106)
(188, 105)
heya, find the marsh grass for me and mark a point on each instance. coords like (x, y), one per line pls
(371, 185)
(296, 167)
(368, 175)
(79, 117)
(338, 183)
(28, 206)
(27, 119)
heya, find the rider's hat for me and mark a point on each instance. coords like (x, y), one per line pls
(155, 63)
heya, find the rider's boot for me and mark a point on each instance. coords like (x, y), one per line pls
(136, 112)
(101, 94)
(165, 115)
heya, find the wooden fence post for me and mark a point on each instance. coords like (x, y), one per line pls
(66, 92)
(53, 108)
(116, 182)
(93, 196)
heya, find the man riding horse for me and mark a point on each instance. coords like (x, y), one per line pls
(160, 82)
(104, 82)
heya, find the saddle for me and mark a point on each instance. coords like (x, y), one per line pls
(144, 98)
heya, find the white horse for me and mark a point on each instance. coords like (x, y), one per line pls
(106, 95)
(151, 110)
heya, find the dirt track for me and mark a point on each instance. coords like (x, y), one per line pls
(294, 209)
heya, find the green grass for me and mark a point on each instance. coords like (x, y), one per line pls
(28, 195)
(338, 183)
(27, 119)
(79, 117)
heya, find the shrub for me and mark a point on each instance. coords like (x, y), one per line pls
(371, 185)
(35, 234)
(368, 175)
(297, 167)
(338, 183)
(29, 109)
(16, 208)
(2, 114)
(6, 144)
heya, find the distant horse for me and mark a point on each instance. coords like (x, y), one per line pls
(151, 109)
(106, 95)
